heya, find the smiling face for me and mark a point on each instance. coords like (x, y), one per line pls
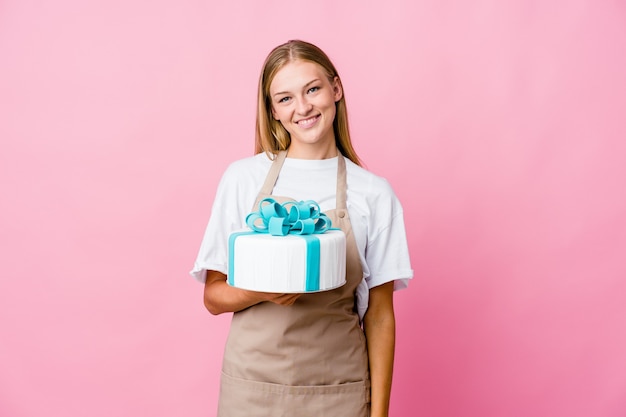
(303, 101)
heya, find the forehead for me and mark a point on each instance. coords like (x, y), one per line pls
(295, 75)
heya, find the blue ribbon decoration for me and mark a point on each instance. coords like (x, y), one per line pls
(299, 218)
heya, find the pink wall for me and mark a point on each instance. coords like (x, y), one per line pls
(501, 126)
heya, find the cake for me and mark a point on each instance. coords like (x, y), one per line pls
(294, 250)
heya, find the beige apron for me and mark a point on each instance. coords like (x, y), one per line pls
(308, 359)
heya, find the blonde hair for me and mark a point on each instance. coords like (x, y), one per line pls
(271, 136)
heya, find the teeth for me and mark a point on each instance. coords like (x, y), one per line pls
(307, 121)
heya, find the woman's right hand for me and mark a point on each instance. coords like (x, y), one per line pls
(279, 298)
(219, 297)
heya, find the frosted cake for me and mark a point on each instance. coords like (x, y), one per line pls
(288, 248)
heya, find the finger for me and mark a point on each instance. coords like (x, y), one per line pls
(286, 299)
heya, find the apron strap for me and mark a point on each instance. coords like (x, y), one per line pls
(342, 183)
(272, 176)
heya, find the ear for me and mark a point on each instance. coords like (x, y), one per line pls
(337, 89)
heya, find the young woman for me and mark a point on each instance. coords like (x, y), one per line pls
(318, 354)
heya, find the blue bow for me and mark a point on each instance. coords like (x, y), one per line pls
(300, 218)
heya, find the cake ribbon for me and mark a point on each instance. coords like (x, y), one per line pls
(300, 218)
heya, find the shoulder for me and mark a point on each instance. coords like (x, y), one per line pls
(242, 180)
(248, 165)
(374, 189)
(246, 170)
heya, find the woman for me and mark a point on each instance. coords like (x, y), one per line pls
(308, 355)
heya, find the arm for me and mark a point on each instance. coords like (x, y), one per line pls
(380, 330)
(219, 297)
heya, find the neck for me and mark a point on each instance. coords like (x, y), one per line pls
(312, 152)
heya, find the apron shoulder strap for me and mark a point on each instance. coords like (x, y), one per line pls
(272, 175)
(342, 183)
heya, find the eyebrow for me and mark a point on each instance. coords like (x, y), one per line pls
(304, 88)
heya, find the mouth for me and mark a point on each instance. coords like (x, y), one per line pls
(308, 121)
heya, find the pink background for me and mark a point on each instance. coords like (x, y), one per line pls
(499, 124)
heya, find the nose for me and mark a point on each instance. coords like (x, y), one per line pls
(303, 106)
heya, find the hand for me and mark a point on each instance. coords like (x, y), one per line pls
(278, 298)
(219, 297)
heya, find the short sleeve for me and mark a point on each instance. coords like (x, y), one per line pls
(387, 252)
(225, 217)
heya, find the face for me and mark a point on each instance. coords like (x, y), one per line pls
(303, 100)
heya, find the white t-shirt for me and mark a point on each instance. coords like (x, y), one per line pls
(375, 214)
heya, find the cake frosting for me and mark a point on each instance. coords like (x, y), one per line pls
(288, 248)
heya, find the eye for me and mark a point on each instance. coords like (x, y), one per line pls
(284, 100)
(313, 89)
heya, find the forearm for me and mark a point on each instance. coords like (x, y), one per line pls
(380, 326)
(219, 297)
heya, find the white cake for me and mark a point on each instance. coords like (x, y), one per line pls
(287, 264)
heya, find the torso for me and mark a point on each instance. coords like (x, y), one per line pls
(311, 354)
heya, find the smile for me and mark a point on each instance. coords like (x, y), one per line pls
(308, 122)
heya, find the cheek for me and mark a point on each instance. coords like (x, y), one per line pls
(278, 114)
(333, 110)
(279, 117)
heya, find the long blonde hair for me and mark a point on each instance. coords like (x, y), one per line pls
(271, 136)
